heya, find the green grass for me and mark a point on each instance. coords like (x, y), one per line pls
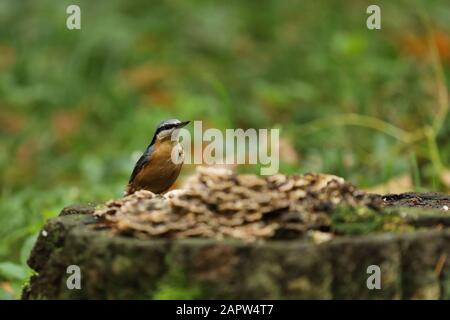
(77, 106)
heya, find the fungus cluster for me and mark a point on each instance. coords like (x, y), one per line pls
(217, 203)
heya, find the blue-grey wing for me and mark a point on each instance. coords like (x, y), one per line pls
(141, 163)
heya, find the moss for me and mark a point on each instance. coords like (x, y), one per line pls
(126, 268)
(263, 282)
(174, 285)
(346, 220)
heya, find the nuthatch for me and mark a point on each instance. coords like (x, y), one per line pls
(155, 170)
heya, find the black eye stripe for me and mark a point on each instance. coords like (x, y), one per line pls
(167, 127)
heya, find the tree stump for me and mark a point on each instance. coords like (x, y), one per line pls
(413, 264)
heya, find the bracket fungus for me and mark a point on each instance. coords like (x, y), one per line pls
(217, 203)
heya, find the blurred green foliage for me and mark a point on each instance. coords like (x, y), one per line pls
(76, 107)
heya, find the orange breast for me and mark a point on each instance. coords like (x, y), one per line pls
(160, 172)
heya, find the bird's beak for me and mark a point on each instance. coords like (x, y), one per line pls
(182, 124)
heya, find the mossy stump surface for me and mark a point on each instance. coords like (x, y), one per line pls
(414, 264)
